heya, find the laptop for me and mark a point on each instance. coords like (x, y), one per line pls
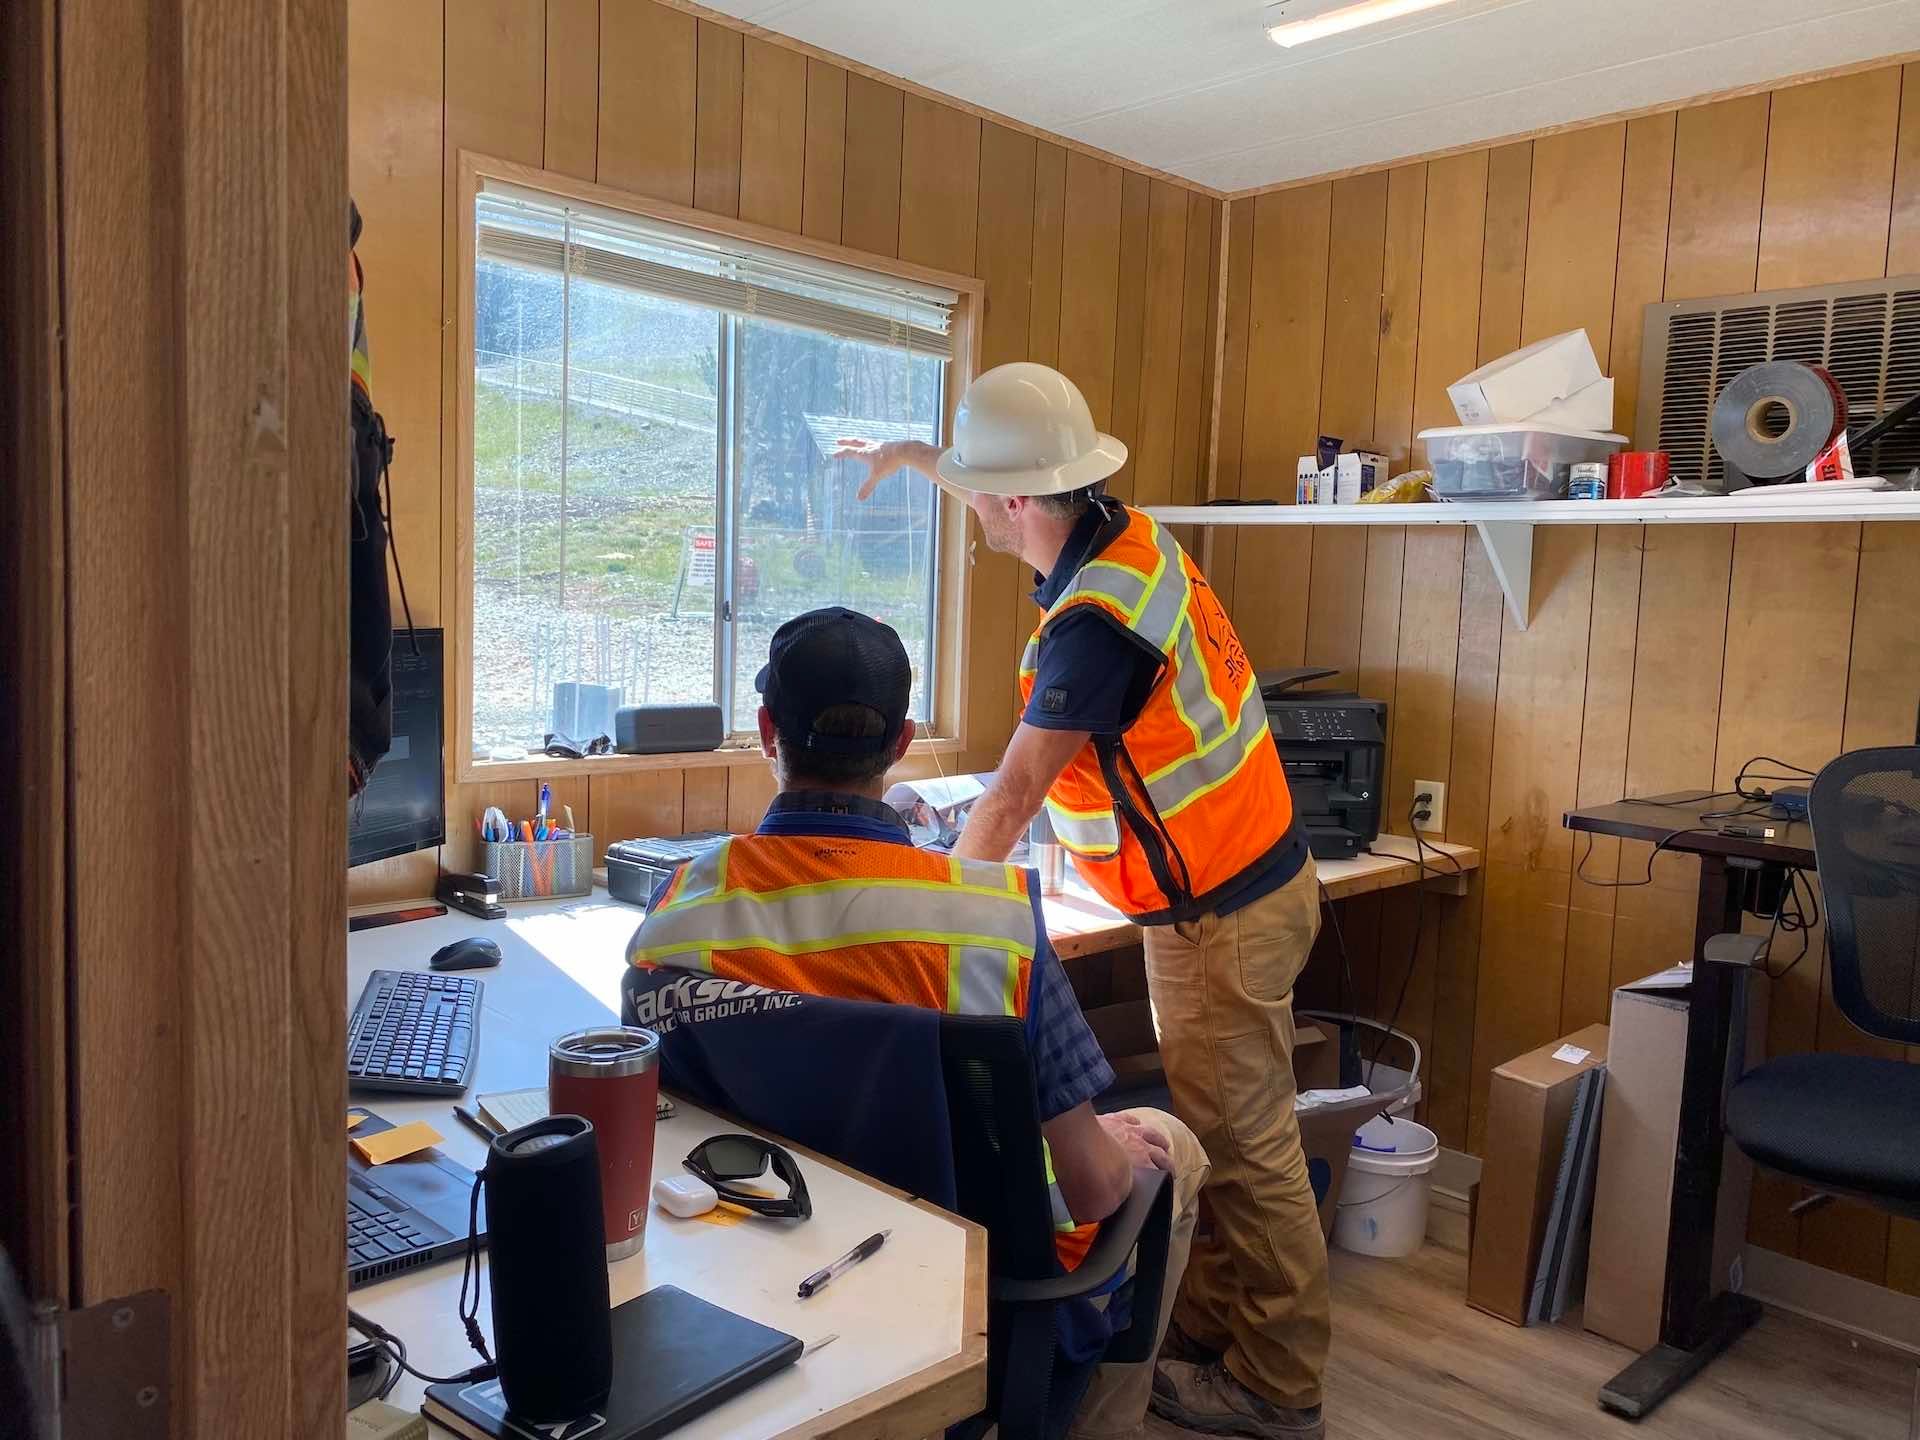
(405, 1213)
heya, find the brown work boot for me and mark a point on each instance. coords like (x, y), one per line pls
(1208, 1399)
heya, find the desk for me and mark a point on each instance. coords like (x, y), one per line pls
(1080, 923)
(911, 1357)
(1696, 1324)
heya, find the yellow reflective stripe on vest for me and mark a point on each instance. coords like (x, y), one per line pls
(1178, 785)
(1062, 1217)
(1085, 832)
(986, 911)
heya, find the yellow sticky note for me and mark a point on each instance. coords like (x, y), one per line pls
(395, 1144)
(353, 1119)
(722, 1214)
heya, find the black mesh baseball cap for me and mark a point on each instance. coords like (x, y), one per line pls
(835, 656)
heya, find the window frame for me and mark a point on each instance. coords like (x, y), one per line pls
(954, 603)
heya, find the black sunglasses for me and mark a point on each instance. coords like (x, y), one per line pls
(723, 1159)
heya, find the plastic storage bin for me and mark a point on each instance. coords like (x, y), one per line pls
(1511, 462)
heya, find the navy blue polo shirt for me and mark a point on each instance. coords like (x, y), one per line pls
(1069, 1067)
(1094, 674)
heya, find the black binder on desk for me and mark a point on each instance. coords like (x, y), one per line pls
(675, 1357)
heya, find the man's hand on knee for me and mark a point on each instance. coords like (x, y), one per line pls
(1144, 1144)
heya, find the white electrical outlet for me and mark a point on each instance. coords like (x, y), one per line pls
(1436, 820)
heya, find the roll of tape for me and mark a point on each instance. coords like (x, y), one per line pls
(1774, 420)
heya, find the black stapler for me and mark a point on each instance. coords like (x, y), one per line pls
(477, 895)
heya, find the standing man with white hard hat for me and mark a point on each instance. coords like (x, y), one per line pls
(1145, 738)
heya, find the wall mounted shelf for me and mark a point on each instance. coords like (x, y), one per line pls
(1506, 529)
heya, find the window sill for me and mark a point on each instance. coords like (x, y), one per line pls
(728, 756)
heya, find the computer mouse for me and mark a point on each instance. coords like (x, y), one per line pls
(476, 952)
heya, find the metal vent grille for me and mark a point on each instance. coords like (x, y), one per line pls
(1867, 333)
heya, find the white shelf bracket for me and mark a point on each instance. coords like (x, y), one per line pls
(1510, 550)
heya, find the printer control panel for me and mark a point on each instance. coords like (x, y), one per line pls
(1322, 723)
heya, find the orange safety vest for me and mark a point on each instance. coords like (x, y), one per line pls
(858, 920)
(1163, 819)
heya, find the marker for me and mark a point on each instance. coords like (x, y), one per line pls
(820, 1279)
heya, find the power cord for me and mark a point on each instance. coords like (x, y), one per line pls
(1794, 920)
(470, 1270)
(1751, 797)
(469, 1312)
(1579, 870)
(1340, 940)
(1794, 775)
(396, 1351)
(1417, 812)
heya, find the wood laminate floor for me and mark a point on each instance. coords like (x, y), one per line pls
(1411, 1362)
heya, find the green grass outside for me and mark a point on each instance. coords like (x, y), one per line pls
(633, 491)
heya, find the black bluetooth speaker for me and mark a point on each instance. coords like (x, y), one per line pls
(668, 729)
(552, 1332)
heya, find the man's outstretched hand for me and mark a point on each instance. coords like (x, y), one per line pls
(885, 457)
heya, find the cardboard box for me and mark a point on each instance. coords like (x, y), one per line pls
(1356, 473)
(1639, 1142)
(1588, 409)
(1528, 1106)
(1519, 386)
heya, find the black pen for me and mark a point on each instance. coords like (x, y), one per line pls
(819, 1280)
(474, 1123)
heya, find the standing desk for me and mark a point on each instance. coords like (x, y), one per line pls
(1696, 1322)
(911, 1354)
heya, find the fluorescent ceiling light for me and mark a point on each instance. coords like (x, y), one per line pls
(1295, 22)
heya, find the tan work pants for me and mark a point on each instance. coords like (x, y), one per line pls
(1115, 1404)
(1222, 991)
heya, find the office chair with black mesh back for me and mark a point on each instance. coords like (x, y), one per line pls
(1003, 1188)
(870, 1110)
(1849, 1125)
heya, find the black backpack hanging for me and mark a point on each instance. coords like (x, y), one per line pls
(370, 617)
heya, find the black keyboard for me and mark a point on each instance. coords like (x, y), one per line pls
(377, 1235)
(414, 1033)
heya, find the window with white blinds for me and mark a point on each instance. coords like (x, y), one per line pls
(676, 263)
(656, 411)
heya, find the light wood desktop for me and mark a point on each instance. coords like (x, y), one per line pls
(911, 1354)
(1080, 923)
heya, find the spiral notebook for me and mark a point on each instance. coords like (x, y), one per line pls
(675, 1357)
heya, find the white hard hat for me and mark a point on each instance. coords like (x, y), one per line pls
(1024, 429)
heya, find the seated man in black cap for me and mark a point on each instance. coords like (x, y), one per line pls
(962, 936)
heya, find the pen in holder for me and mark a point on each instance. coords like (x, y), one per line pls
(540, 869)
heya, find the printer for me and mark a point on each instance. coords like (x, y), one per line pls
(1332, 744)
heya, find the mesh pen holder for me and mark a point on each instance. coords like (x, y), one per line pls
(540, 869)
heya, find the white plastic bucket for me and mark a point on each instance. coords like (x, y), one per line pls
(1383, 1200)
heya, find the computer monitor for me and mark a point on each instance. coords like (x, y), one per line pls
(403, 808)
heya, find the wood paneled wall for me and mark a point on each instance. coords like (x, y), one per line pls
(1103, 270)
(1657, 658)
(175, 680)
